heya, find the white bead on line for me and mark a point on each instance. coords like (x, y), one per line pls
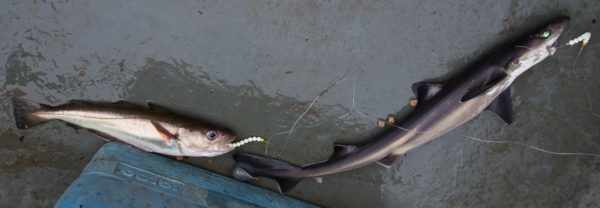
(583, 38)
(247, 140)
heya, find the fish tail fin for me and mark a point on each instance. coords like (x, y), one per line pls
(23, 111)
(249, 166)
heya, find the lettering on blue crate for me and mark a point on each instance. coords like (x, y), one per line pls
(150, 179)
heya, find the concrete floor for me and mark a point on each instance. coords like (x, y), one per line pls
(256, 65)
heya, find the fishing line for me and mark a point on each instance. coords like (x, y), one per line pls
(584, 38)
(512, 142)
(286, 132)
(299, 127)
(532, 147)
(355, 108)
(291, 130)
(589, 99)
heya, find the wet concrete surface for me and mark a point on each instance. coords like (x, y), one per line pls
(257, 65)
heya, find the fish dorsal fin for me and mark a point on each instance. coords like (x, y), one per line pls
(78, 102)
(388, 161)
(120, 103)
(426, 90)
(124, 103)
(342, 149)
(502, 106)
(155, 107)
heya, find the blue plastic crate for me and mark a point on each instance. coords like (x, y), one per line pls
(121, 176)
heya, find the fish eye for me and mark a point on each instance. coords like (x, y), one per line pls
(544, 33)
(212, 135)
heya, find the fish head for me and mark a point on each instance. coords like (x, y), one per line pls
(537, 47)
(205, 142)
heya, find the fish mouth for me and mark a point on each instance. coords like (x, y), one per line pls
(230, 142)
(211, 152)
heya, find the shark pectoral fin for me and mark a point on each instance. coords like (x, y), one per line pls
(502, 106)
(342, 149)
(164, 133)
(242, 175)
(286, 184)
(388, 161)
(425, 90)
(249, 166)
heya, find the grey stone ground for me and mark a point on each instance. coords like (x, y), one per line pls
(256, 65)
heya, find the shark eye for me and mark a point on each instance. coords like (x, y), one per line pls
(544, 33)
(212, 135)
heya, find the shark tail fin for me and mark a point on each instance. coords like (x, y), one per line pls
(24, 110)
(250, 166)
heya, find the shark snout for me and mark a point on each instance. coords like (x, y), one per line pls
(559, 25)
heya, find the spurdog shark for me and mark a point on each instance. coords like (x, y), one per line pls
(441, 108)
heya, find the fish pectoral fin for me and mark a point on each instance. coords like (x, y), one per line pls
(342, 149)
(502, 106)
(120, 103)
(425, 90)
(163, 133)
(388, 161)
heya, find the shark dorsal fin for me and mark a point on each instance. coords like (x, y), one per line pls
(502, 106)
(425, 90)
